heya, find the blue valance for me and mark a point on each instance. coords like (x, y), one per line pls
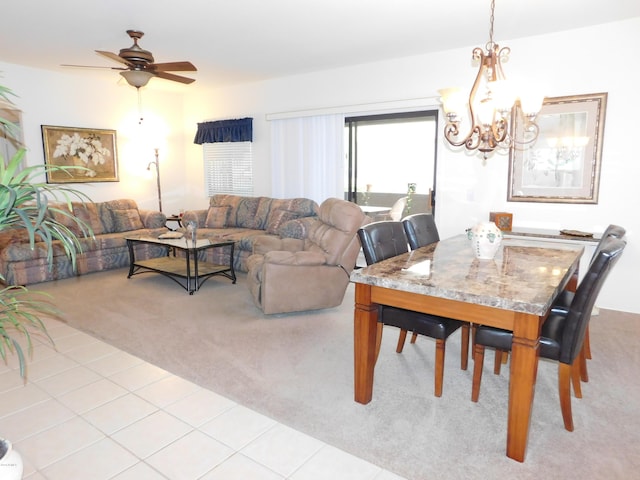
(240, 130)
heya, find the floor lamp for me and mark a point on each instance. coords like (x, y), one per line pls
(157, 164)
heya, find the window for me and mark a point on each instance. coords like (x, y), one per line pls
(228, 168)
(228, 163)
(389, 155)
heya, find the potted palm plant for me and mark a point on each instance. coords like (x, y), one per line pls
(26, 204)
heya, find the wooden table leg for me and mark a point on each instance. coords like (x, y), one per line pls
(365, 320)
(522, 381)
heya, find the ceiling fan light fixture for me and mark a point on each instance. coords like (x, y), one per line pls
(137, 78)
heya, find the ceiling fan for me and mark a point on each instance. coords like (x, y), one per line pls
(140, 66)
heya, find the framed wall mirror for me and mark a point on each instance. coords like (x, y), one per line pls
(563, 164)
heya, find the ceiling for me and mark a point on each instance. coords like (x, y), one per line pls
(234, 41)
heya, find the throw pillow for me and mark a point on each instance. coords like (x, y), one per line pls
(217, 217)
(277, 218)
(88, 213)
(297, 228)
(66, 218)
(126, 220)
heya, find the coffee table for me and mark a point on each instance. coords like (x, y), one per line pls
(181, 263)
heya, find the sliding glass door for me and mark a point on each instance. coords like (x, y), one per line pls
(390, 157)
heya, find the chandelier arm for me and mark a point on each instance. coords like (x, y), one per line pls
(472, 142)
(451, 132)
(532, 130)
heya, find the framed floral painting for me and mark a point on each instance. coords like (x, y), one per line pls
(90, 148)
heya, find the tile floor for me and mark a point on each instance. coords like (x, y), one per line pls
(91, 411)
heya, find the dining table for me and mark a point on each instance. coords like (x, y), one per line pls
(513, 291)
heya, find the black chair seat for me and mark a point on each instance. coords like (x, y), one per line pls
(423, 324)
(550, 337)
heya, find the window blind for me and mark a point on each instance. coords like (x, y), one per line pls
(228, 168)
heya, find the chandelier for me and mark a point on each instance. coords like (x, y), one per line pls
(490, 105)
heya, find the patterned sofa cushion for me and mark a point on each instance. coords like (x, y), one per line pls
(254, 212)
(88, 213)
(298, 228)
(277, 218)
(126, 220)
(108, 216)
(217, 217)
(305, 207)
(242, 210)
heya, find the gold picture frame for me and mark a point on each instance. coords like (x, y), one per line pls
(563, 164)
(91, 148)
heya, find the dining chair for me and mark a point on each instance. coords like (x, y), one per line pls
(561, 304)
(397, 209)
(421, 230)
(562, 336)
(386, 239)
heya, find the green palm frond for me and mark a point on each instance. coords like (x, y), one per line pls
(45, 213)
(20, 313)
(29, 204)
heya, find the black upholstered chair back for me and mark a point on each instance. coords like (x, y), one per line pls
(615, 231)
(421, 230)
(585, 297)
(382, 240)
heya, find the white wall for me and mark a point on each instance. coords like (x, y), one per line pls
(597, 59)
(590, 60)
(84, 99)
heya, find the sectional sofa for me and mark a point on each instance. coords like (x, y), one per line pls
(111, 222)
(243, 219)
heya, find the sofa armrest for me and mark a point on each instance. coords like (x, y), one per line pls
(304, 258)
(198, 216)
(152, 218)
(263, 244)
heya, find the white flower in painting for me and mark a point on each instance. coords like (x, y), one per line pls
(89, 149)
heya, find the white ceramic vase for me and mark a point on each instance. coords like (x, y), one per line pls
(485, 239)
(10, 461)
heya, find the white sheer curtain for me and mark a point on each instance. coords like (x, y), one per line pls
(307, 156)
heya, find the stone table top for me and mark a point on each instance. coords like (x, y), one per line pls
(523, 276)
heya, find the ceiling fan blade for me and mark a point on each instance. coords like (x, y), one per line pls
(174, 67)
(113, 56)
(91, 66)
(175, 78)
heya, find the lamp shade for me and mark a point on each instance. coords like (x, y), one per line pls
(531, 102)
(137, 78)
(453, 100)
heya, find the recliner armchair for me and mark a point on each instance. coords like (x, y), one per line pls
(291, 274)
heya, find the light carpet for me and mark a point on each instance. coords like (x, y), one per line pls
(298, 369)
